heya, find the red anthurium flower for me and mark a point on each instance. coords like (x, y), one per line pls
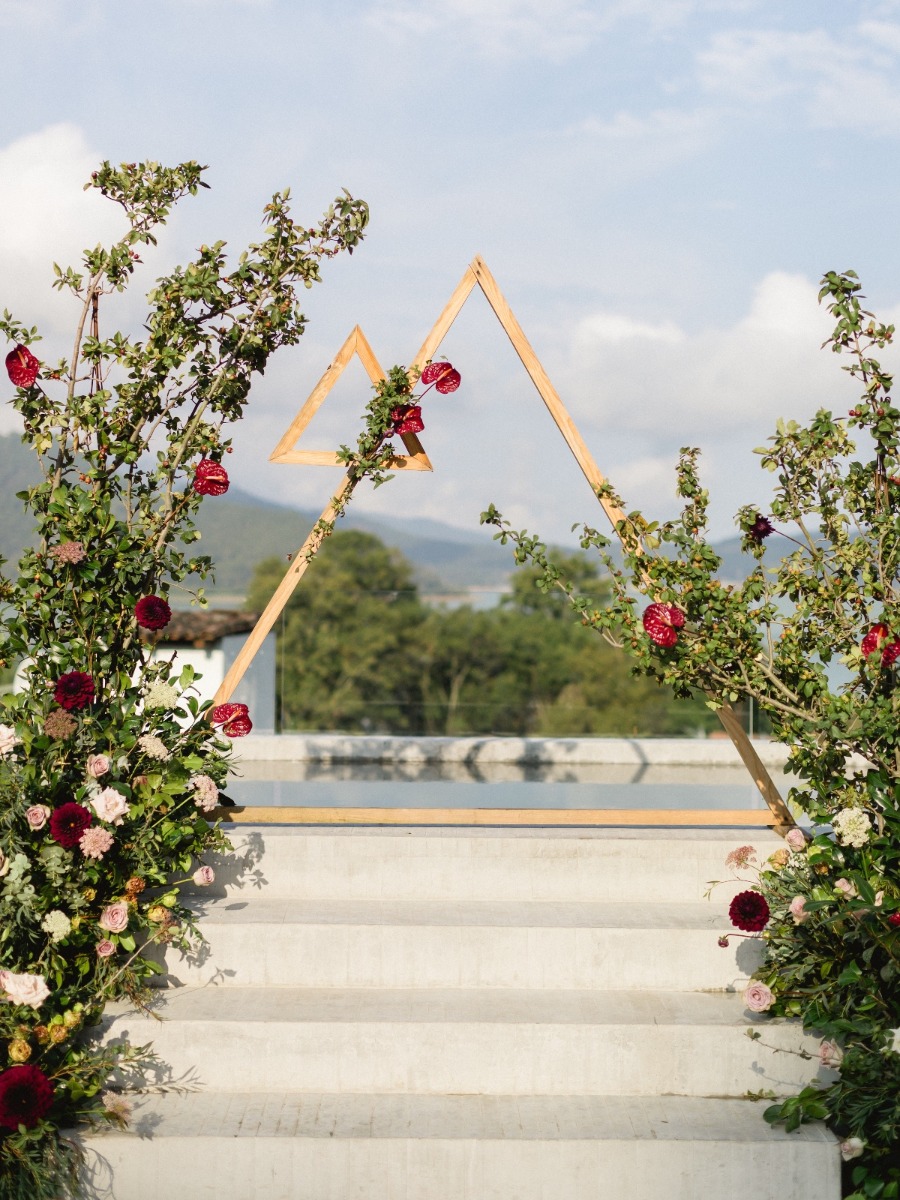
(238, 726)
(434, 371)
(448, 383)
(749, 911)
(224, 712)
(26, 1095)
(74, 690)
(22, 367)
(662, 622)
(877, 640)
(210, 478)
(407, 419)
(152, 612)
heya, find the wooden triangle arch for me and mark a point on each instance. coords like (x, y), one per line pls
(286, 451)
(476, 273)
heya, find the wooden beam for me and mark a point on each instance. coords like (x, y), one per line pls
(561, 817)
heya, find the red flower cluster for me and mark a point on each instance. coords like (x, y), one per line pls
(68, 823)
(234, 719)
(210, 478)
(22, 367)
(74, 690)
(443, 376)
(152, 612)
(875, 640)
(26, 1095)
(662, 622)
(749, 911)
(407, 419)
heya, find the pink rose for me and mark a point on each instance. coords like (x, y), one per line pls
(203, 876)
(797, 906)
(845, 886)
(114, 917)
(852, 1148)
(110, 805)
(758, 997)
(37, 816)
(24, 989)
(796, 839)
(97, 765)
(830, 1054)
(105, 949)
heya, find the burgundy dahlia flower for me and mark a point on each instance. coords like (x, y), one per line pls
(26, 1095)
(152, 612)
(749, 911)
(662, 622)
(210, 478)
(74, 690)
(761, 528)
(22, 367)
(68, 823)
(407, 419)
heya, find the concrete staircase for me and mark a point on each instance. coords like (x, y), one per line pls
(408, 1014)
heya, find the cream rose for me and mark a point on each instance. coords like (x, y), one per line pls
(110, 805)
(24, 989)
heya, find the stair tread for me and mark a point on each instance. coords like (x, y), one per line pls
(443, 1117)
(437, 1005)
(280, 910)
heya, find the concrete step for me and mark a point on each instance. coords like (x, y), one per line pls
(458, 1041)
(263, 941)
(610, 865)
(289, 1146)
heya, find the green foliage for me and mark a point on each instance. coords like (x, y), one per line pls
(360, 651)
(102, 733)
(815, 641)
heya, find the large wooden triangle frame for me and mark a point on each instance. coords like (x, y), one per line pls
(476, 274)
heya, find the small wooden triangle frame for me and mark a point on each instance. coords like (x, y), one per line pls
(476, 273)
(286, 451)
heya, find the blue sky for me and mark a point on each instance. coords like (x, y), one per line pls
(657, 185)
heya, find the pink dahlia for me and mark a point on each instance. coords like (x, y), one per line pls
(22, 367)
(152, 612)
(210, 478)
(662, 622)
(68, 823)
(749, 911)
(74, 690)
(26, 1095)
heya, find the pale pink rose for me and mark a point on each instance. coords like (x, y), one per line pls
(203, 876)
(845, 886)
(110, 805)
(879, 897)
(830, 1054)
(24, 989)
(797, 906)
(758, 997)
(114, 917)
(796, 839)
(105, 949)
(37, 816)
(852, 1148)
(8, 740)
(97, 765)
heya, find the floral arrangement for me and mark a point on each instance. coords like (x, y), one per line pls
(110, 768)
(813, 637)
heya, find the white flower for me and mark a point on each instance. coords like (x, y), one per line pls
(852, 827)
(57, 924)
(206, 793)
(895, 1040)
(161, 695)
(24, 989)
(110, 805)
(852, 1148)
(8, 740)
(153, 746)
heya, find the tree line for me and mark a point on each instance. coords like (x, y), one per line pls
(360, 650)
